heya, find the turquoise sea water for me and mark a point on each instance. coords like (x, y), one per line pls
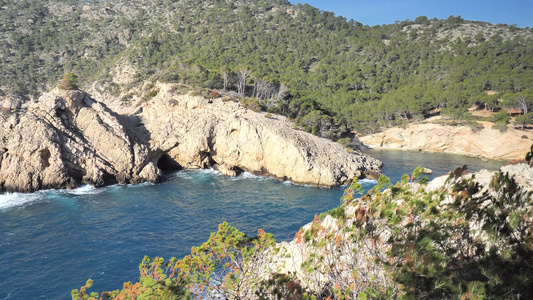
(53, 241)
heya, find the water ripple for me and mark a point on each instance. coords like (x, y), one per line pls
(53, 241)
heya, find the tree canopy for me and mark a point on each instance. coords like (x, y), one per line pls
(330, 74)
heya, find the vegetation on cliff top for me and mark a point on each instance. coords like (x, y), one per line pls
(461, 240)
(328, 73)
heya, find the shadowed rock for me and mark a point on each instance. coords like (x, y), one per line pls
(67, 138)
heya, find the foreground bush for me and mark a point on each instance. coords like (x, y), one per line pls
(225, 267)
(461, 240)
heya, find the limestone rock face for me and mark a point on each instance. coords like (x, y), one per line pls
(67, 138)
(196, 133)
(488, 143)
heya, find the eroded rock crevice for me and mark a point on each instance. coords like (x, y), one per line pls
(166, 164)
(45, 156)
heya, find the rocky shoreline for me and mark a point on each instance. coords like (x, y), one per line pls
(486, 143)
(67, 138)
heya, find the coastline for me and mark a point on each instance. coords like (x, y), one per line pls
(68, 138)
(483, 158)
(486, 143)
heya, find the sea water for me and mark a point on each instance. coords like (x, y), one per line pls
(52, 241)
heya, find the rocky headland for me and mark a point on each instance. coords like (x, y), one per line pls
(486, 143)
(68, 138)
(196, 132)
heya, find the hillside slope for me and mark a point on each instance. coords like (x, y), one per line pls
(329, 74)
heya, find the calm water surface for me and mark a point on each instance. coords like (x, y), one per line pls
(53, 241)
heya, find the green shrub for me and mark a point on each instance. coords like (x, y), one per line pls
(476, 126)
(523, 120)
(150, 94)
(69, 82)
(274, 109)
(456, 113)
(127, 98)
(500, 126)
(501, 116)
(169, 77)
(346, 142)
(251, 103)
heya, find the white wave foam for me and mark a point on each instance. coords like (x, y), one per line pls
(208, 171)
(288, 182)
(366, 180)
(17, 199)
(83, 190)
(180, 174)
(246, 175)
(146, 183)
(191, 173)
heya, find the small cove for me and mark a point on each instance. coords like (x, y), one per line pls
(53, 241)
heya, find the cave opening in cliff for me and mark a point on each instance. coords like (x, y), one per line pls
(168, 164)
(109, 178)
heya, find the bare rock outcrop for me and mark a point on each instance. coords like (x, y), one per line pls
(521, 172)
(67, 138)
(488, 143)
(196, 132)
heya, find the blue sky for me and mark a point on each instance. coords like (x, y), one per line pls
(378, 12)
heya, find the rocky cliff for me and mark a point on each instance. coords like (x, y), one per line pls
(488, 143)
(67, 138)
(196, 132)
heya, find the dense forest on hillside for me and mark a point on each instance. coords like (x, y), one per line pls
(329, 74)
